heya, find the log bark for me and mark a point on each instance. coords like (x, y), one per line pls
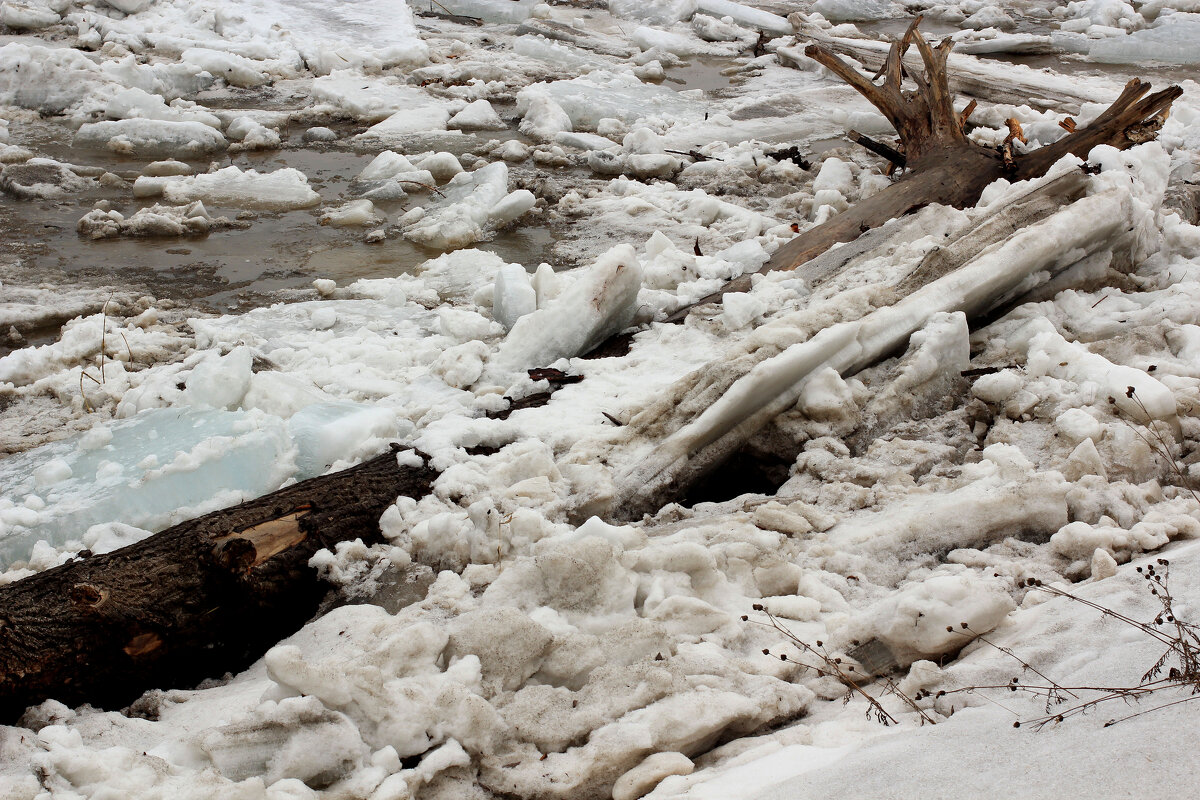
(941, 164)
(195, 601)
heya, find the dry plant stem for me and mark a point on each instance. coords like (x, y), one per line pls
(1156, 441)
(1008, 652)
(1182, 640)
(831, 666)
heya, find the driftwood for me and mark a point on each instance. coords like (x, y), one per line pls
(195, 601)
(711, 413)
(941, 164)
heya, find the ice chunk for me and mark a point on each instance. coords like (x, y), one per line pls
(49, 80)
(152, 138)
(151, 471)
(600, 303)
(478, 116)
(989, 17)
(1172, 40)
(654, 12)
(745, 15)
(544, 118)
(41, 179)
(26, 16)
(326, 433)
(665, 41)
(491, 10)
(562, 55)
(926, 618)
(442, 166)
(474, 204)
(711, 29)
(513, 295)
(386, 165)
(138, 103)
(425, 114)
(220, 381)
(834, 174)
(235, 70)
(129, 6)
(600, 95)
(583, 141)
(157, 220)
(252, 134)
(355, 213)
(1136, 393)
(281, 190)
(370, 98)
(854, 10)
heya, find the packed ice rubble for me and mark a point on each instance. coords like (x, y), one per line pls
(511, 644)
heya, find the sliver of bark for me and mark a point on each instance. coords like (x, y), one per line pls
(198, 600)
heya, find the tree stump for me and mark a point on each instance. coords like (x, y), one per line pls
(941, 164)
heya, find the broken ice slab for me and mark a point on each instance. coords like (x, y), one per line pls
(598, 304)
(152, 138)
(597, 43)
(490, 10)
(560, 55)
(473, 204)
(1174, 39)
(653, 12)
(152, 471)
(282, 190)
(326, 433)
(744, 15)
(369, 97)
(167, 465)
(600, 95)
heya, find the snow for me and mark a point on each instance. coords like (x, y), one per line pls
(455, 205)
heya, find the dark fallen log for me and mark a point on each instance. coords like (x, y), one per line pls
(941, 164)
(195, 601)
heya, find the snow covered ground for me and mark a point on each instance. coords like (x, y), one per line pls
(504, 193)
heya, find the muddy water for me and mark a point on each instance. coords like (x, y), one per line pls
(236, 269)
(229, 269)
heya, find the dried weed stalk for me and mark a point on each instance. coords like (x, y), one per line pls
(1177, 668)
(832, 666)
